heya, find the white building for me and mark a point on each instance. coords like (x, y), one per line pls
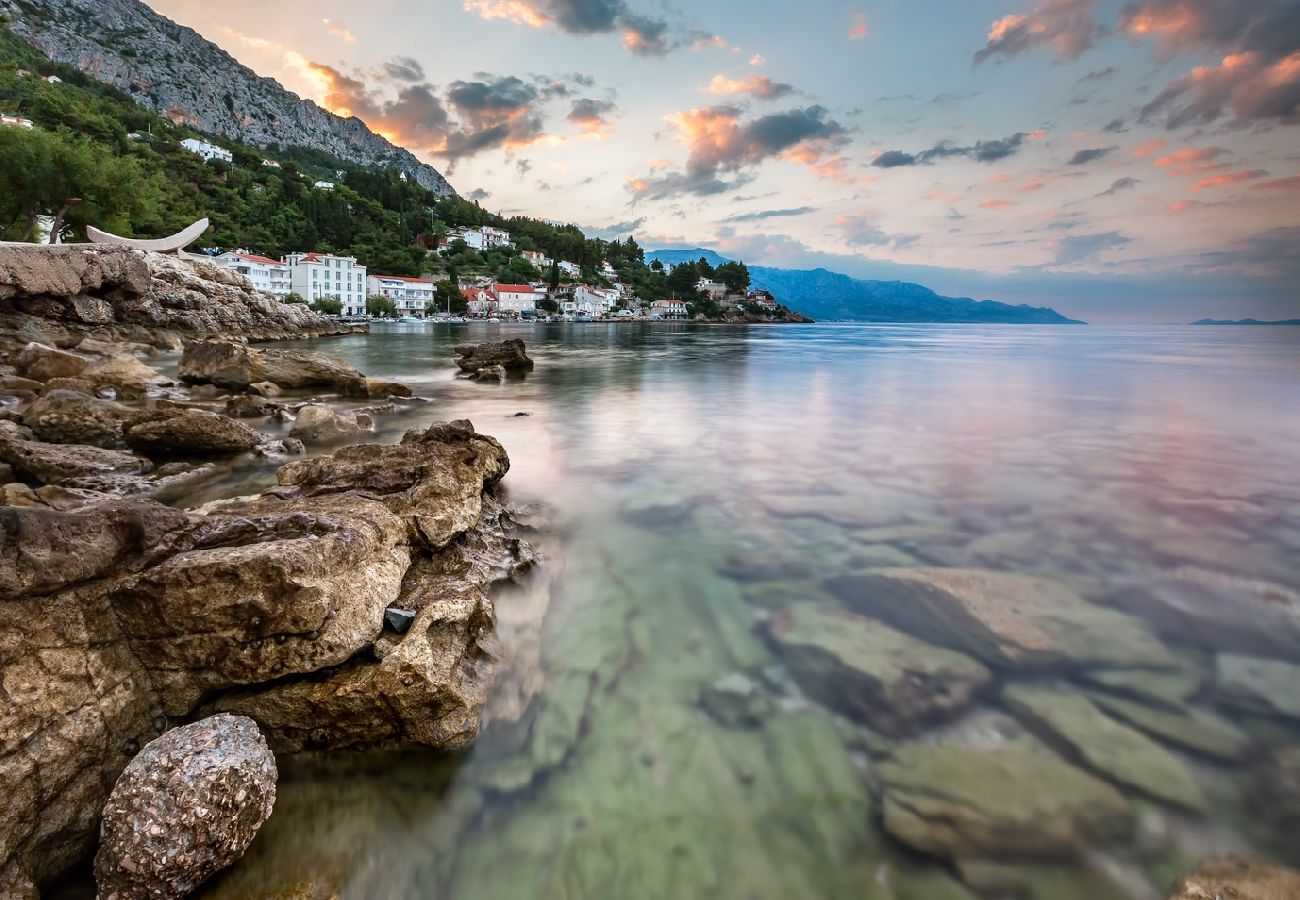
(53, 79)
(594, 301)
(715, 290)
(539, 259)
(319, 275)
(480, 302)
(325, 185)
(515, 299)
(271, 163)
(573, 270)
(267, 275)
(668, 309)
(208, 151)
(607, 270)
(495, 238)
(17, 121)
(411, 296)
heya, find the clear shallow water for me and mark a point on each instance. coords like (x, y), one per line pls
(705, 478)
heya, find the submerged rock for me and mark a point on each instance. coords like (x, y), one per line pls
(1199, 732)
(1071, 721)
(1169, 688)
(510, 355)
(1258, 685)
(1008, 621)
(1274, 793)
(190, 433)
(184, 809)
(959, 803)
(238, 367)
(321, 424)
(69, 417)
(890, 680)
(736, 700)
(1238, 879)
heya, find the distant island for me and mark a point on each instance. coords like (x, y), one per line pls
(1245, 322)
(831, 297)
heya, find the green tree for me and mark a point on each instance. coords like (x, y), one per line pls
(450, 297)
(735, 275)
(294, 298)
(329, 306)
(380, 306)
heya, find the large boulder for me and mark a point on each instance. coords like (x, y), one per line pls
(510, 355)
(125, 374)
(1238, 879)
(1113, 750)
(960, 802)
(184, 809)
(120, 616)
(69, 417)
(890, 680)
(237, 366)
(41, 363)
(321, 424)
(189, 432)
(1008, 621)
(70, 465)
(1218, 611)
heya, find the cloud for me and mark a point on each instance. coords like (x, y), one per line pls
(1272, 253)
(993, 204)
(478, 195)
(1066, 26)
(770, 214)
(494, 113)
(1192, 161)
(859, 28)
(643, 35)
(1082, 248)
(721, 144)
(981, 151)
(758, 59)
(1122, 184)
(403, 68)
(1289, 185)
(593, 117)
(1150, 148)
(1227, 179)
(1247, 87)
(615, 231)
(760, 87)
(859, 231)
(1097, 75)
(1084, 157)
(339, 31)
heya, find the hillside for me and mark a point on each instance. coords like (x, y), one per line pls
(176, 73)
(829, 296)
(1245, 322)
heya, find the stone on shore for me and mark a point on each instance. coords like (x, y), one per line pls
(1008, 621)
(1072, 722)
(510, 355)
(70, 465)
(1234, 878)
(1261, 686)
(190, 433)
(887, 679)
(1218, 611)
(39, 362)
(69, 417)
(959, 803)
(321, 424)
(237, 367)
(186, 807)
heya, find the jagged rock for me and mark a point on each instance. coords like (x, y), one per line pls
(1238, 879)
(184, 809)
(959, 802)
(321, 424)
(1008, 621)
(149, 299)
(378, 389)
(120, 612)
(400, 620)
(251, 406)
(890, 680)
(490, 373)
(1274, 793)
(1199, 732)
(1218, 611)
(68, 417)
(1105, 746)
(510, 355)
(70, 464)
(1258, 685)
(41, 363)
(190, 433)
(238, 366)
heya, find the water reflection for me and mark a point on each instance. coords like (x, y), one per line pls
(655, 733)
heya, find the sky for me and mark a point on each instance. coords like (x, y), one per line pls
(1121, 161)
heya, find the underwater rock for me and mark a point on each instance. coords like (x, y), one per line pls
(1258, 685)
(1274, 793)
(510, 355)
(1168, 688)
(1114, 751)
(736, 701)
(890, 680)
(1239, 879)
(238, 367)
(321, 424)
(1196, 731)
(186, 807)
(961, 802)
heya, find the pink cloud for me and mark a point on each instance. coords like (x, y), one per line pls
(860, 28)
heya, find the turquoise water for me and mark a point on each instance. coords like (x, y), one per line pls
(702, 480)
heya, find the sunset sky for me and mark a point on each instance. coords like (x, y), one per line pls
(1131, 161)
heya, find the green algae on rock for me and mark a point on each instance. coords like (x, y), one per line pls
(1170, 688)
(1197, 731)
(1258, 685)
(1115, 751)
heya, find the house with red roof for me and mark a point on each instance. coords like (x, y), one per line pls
(516, 299)
(266, 275)
(411, 296)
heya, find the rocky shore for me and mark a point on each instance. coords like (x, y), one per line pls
(346, 608)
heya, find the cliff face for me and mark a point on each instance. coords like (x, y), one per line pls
(176, 72)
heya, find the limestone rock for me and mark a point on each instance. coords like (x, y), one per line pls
(379, 389)
(510, 355)
(125, 374)
(1258, 685)
(68, 417)
(1218, 611)
(1239, 879)
(890, 680)
(958, 802)
(1199, 732)
(1105, 746)
(41, 363)
(320, 424)
(490, 373)
(238, 366)
(251, 406)
(1008, 621)
(71, 464)
(736, 701)
(1274, 793)
(1168, 688)
(190, 433)
(184, 809)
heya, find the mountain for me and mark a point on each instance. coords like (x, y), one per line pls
(829, 296)
(1245, 322)
(175, 72)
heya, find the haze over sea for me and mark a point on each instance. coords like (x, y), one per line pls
(647, 740)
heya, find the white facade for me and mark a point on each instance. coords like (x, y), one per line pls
(538, 259)
(594, 301)
(668, 309)
(208, 151)
(573, 270)
(515, 299)
(325, 185)
(267, 275)
(714, 289)
(411, 296)
(319, 275)
(17, 121)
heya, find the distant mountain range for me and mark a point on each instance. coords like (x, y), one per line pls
(830, 297)
(177, 73)
(1245, 322)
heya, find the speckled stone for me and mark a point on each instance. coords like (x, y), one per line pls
(184, 809)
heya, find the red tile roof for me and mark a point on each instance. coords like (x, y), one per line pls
(403, 278)
(514, 288)
(258, 259)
